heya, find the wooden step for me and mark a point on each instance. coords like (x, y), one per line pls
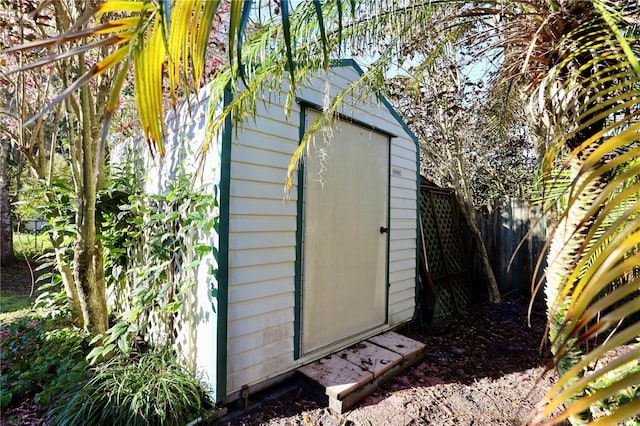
(352, 374)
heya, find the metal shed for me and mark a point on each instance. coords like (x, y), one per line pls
(334, 264)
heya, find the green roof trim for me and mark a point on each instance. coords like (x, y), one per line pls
(352, 63)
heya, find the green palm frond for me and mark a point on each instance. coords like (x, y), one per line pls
(596, 112)
(148, 35)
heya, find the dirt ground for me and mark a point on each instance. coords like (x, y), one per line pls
(16, 276)
(480, 368)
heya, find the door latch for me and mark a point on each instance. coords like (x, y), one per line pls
(383, 229)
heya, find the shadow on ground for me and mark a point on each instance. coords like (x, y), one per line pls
(480, 368)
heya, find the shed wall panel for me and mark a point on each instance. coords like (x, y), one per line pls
(252, 341)
(401, 224)
(401, 254)
(258, 223)
(260, 272)
(256, 323)
(252, 291)
(258, 173)
(257, 189)
(266, 206)
(269, 255)
(262, 367)
(248, 240)
(262, 257)
(399, 297)
(401, 265)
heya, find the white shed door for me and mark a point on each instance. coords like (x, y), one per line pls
(344, 248)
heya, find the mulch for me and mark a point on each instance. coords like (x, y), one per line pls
(483, 366)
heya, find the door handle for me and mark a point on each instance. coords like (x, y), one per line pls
(383, 229)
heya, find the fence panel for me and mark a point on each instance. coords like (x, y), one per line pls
(514, 234)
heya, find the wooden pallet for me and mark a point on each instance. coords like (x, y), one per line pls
(352, 374)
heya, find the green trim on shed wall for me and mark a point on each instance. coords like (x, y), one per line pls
(223, 254)
(297, 308)
(349, 119)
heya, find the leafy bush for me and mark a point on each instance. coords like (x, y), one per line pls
(626, 395)
(30, 245)
(154, 245)
(43, 359)
(145, 389)
(40, 358)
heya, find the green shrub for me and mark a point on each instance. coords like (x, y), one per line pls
(40, 358)
(145, 389)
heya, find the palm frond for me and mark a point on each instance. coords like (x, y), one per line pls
(595, 91)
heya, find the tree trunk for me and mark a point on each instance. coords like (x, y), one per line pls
(88, 265)
(492, 284)
(6, 229)
(466, 200)
(69, 285)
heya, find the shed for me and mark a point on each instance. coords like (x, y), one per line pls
(298, 279)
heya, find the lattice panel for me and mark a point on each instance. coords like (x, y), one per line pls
(432, 241)
(179, 329)
(445, 256)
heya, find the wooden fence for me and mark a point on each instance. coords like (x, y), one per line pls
(514, 234)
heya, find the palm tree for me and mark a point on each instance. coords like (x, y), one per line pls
(573, 62)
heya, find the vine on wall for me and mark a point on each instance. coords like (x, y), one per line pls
(155, 244)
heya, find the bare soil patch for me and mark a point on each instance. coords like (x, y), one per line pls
(481, 368)
(17, 276)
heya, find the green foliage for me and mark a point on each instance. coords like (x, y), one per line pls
(52, 301)
(617, 400)
(152, 253)
(46, 359)
(30, 245)
(40, 358)
(12, 302)
(31, 195)
(59, 211)
(144, 389)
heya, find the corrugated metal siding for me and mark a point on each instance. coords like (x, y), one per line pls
(263, 231)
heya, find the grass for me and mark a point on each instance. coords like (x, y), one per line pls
(30, 244)
(14, 306)
(11, 302)
(16, 296)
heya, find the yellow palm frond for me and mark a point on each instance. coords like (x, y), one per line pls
(594, 93)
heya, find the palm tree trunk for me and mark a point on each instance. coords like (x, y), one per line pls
(564, 253)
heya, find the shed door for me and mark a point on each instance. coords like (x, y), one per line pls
(344, 250)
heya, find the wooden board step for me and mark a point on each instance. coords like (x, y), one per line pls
(350, 375)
